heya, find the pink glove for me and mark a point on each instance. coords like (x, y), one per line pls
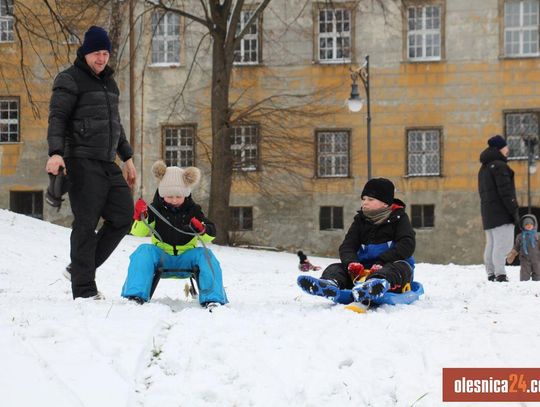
(374, 268)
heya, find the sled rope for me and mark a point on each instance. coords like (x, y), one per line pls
(197, 235)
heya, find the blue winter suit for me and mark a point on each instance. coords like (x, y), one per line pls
(175, 251)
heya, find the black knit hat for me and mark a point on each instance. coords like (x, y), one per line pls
(381, 189)
(95, 39)
(497, 141)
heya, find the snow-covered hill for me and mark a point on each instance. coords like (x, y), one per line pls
(271, 346)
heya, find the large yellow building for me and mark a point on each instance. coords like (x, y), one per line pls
(444, 76)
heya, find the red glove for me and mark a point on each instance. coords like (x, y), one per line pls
(141, 210)
(356, 270)
(197, 225)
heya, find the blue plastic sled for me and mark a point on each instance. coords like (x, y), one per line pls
(417, 289)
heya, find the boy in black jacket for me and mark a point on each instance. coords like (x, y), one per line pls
(376, 254)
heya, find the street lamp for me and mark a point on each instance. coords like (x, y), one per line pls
(531, 140)
(355, 103)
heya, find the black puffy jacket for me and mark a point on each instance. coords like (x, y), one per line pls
(363, 235)
(179, 218)
(84, 120)
(498, 203)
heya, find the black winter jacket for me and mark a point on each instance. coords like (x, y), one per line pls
(84, 121)
(365, 235)
(179, 218)
(498, 203)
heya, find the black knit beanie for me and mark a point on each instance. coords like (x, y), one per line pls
(497, 141)
(381, 189)
(95, 39)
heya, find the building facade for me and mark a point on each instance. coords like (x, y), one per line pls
(444, 76)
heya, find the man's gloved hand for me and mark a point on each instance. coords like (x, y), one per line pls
(356, 270)
(197, 225)
(141, 210)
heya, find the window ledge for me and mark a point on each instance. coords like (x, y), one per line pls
(423, 176)
(247, 64)
(510, 57)
(424, 61)
(165, 65)
(333, 62)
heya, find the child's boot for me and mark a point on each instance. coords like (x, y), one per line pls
(370, 289)
(318, 286)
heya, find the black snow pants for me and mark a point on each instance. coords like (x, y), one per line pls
(98, 190)
(398, 274)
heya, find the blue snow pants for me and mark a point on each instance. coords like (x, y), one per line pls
(147, 257)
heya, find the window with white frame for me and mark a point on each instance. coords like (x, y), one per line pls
(9, 120)
(518, 128)
(331, 217)
(333, 153)
(247, 51)
(521, 28)
(241, 218)
(6, 20)
(178, 145)
(244, 147)
(335, 33)
(424, 33)
(424, 152)
(165, 38)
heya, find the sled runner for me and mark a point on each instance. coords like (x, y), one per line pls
(189, 288)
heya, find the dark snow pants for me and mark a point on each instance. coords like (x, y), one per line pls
(98, 190)
(398, 274)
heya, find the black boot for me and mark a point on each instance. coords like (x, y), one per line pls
(501, 278)
(491, 277)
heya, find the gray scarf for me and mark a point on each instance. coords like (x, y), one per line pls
(378, 216)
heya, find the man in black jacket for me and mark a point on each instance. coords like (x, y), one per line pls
(498, 206)
(84, 136)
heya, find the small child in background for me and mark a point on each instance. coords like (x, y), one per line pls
(305, 264)
(526, 246)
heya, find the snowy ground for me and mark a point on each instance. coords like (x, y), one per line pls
(271, 346)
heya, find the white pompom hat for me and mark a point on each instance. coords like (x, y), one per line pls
(175, 181)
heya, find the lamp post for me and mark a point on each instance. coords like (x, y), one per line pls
(355, 103)
(531, 140)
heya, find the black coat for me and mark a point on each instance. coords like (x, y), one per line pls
(362, 232)
(84, 121)
(498, 203)
(179, 218)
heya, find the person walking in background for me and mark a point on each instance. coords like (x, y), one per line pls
(84, 137)
(526, 246)
(498, 205)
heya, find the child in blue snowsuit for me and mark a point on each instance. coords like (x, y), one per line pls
(376, 254)
(170, 248)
